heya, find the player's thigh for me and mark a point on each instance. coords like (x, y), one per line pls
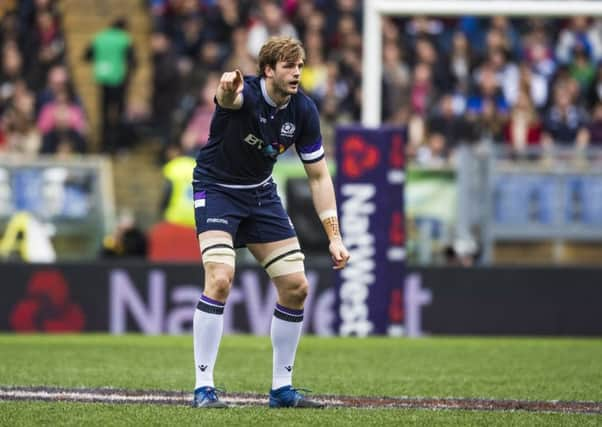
(280, 258)
(261, 250)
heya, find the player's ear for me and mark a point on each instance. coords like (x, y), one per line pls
(268, 71)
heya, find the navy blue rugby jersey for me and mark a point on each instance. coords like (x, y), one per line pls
(244, 144)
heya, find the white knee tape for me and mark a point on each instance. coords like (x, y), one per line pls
(285, 260)
(218, 250)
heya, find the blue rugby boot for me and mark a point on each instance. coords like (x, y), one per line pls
(288, 397)
(205, 397)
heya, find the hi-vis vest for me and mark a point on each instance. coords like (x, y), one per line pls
(180, 208)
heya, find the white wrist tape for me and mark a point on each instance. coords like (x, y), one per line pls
(328, 213)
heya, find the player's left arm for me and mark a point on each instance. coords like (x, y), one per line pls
(322, 191)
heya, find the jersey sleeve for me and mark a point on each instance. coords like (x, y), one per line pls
(249, 95)
(309, 145)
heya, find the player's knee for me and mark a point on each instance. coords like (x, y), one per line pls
(218, 283)
(299, 291)
(294, 289)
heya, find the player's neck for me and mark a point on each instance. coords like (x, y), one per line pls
(277, 96)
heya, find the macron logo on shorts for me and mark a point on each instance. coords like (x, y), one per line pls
(199, 199)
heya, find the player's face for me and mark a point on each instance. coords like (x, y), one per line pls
(287, 76)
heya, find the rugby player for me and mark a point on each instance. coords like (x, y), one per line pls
(236, 204)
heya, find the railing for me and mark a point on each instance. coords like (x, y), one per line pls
(549, 194)
(546, 194)
(74, 196)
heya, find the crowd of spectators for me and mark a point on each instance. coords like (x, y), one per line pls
(521, 83)
(194, 41)
(39, 109)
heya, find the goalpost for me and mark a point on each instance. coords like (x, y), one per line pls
(372, 34)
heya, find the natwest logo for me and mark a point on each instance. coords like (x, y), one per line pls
(47, 306)
(358, 210)
(358, 156)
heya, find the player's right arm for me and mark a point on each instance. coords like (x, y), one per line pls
(229, 90)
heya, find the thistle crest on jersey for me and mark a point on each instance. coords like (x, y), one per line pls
(287, 129)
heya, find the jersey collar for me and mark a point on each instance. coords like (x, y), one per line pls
(270, 101)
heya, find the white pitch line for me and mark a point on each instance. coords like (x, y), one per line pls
(123, 397)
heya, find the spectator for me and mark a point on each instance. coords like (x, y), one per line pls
(197, 132)
(494, 41)
(271, 23)
(391, 31)
(422, 95)
(510, 36)
(422, 91)
(426, 52)
(63, 141)
(533, 84)
(166, 85)
(224, 17)
(63, 109)
(58, 81)
(11, 71)
(177, 201)
(173, 15)
(348, 36)
(579, 33)
(434, 153)
(126, 241)
(538, 50)
(487, 107)
(334, 15)
(565, 122)
(396, 80)
(506, 73)
(562, 78)
(594, 95)
(453, 127)
(524, 127)
(581, 69)
(208, 60)
(460, 62)
(595, 127)
(421, 26)
(113, 58)
(9, 28)
(19, 124)
(302, 14)
(316, 23)
(315, 71)
(240, 57)
(47, 41)
(189, 35)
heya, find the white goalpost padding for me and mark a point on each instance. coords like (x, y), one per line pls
(372, 35)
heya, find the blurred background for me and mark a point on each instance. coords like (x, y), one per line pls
(103, 103)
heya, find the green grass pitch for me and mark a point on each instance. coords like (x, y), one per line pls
(492, 368)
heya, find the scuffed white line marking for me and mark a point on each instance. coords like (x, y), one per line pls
(84, 396)
(109, 395)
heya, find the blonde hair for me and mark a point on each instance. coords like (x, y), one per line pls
(278, 49)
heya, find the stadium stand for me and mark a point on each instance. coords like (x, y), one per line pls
(530, 88)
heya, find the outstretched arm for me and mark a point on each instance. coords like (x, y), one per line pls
(322, 192)
(229, 90)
